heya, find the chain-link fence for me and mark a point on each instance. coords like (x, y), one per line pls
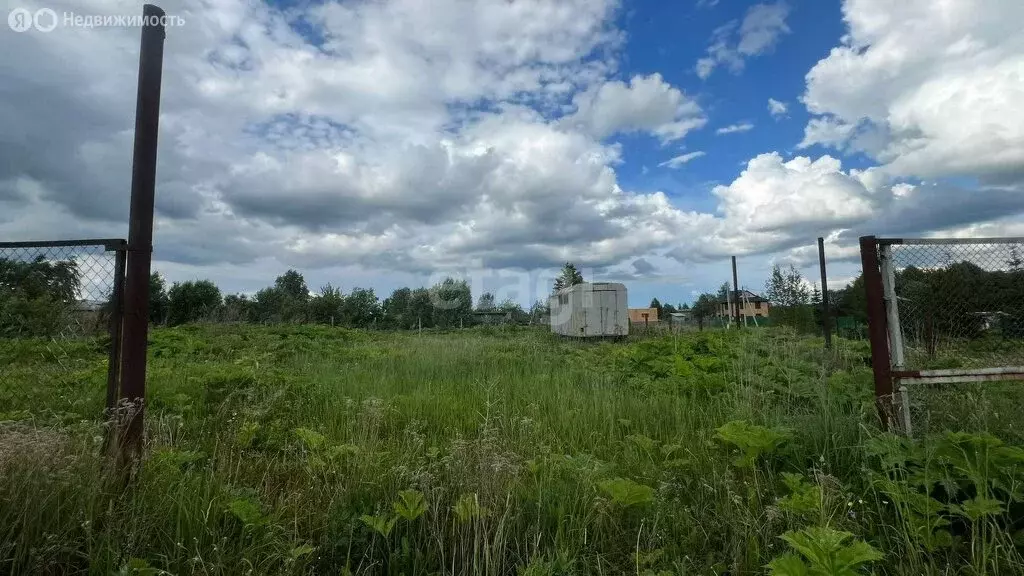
(60, 302)
(949, 315)
(960, 305)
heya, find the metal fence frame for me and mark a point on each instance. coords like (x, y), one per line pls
(120, 248)
(888, 359)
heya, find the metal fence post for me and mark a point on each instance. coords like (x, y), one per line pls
(736, 292)
(892, 307)
(825, 324)
(877, 330)
(116, 319)
(140, 232)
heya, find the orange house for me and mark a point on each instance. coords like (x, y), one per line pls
(643, 315)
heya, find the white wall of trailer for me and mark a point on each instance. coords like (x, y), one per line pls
(590, 310)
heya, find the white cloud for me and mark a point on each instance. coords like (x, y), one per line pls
(401, 138)
(827, 131)
(776, 108)
(647, 104)
(734, 128)
(931, 89)
(678, 161)
(771, 194)
(761, 28)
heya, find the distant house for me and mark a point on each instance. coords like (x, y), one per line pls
(750, 306)
(681, 317)
(643, 315)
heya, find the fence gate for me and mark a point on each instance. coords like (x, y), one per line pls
(946, 322)
(63, 293)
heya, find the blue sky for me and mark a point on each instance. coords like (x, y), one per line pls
(391, 142)
(664, 39)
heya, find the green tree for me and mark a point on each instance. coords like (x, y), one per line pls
(192, 301)
(292, 285)
(237, 308)
(39, 278)
(35, 295)
(704, 309)
(269, 305)
(790, 298)
(569, 276)
(657, 306)
(158, 299)
(786, 288)
(396, 311)
(539, 311)
(1015, 262)
(327, 307)
(513, 311)
(453, 303)
(486, 301)
(361, 308)
(421, 309)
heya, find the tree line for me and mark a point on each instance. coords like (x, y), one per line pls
(959, 298)
(447, 304)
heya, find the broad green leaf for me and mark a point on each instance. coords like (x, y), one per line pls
(788, 564)
(300, 551)
(249, 512)
(410, 504)
(626, 492)
(312, 439)
(380, 523)
(468, 507)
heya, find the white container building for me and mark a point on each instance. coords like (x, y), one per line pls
(590, 310)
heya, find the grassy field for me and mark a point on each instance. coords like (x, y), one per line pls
(311, 450)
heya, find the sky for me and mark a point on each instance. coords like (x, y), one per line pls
(390, 143)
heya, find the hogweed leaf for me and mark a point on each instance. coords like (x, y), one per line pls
(752, 440)
(788, 564)
(380, 523)
(312, 439)
(410, 504)
(300, 551)
(804, 497)
(827, 551)
(250, 513)
(468, 507)
(977, 508)
(626, 492)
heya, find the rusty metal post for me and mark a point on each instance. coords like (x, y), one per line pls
(878, 332)
(140, 232)
(825, 322)
(116, 317)
(735, 292)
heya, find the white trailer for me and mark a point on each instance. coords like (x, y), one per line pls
(590, 310)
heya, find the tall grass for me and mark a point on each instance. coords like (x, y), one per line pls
(306, 450)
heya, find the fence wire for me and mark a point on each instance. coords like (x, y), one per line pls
(992, 407)
(57, 311)
(960, 305)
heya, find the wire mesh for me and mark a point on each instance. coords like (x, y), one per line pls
(56, 303)
(960, 305)
(992, 407)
